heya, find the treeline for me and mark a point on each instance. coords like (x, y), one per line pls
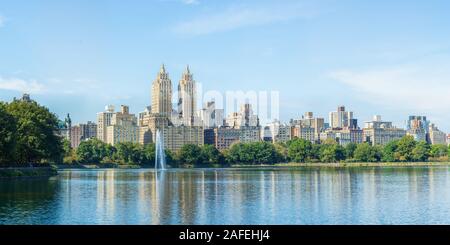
(402, 150)
(94, 151)
(28, 135)
(296, 150)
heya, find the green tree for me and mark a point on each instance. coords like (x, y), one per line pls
(300, 150)
(190, 154)
(130, 153)
(8, 136)
(389, 150)
(94, 151)
(438, 151)
(36, 130)
(421, 151)
(211, 155)
(253, 153)
(404, 150)
(365, 152)
(332, 153)
(350, 150)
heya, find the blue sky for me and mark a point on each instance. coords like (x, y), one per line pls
(376, 57)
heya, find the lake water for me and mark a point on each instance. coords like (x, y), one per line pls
(408, 195)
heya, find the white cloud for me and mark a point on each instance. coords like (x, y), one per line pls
(239, 17)
(24, 86)
(421, 87)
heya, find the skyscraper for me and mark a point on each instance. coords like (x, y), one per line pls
(103, 121)
(342, 119)
(187, 98)
(162, 93)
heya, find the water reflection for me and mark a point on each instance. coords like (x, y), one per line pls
(244, 196)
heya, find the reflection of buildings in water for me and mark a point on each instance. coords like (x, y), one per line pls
(105, 194)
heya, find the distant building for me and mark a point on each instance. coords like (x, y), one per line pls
(277, 132)
(176, 137)
(342, 119)
(243, 118)
(437, 137)
(304, 132)
(162, 94)
(123, 127)
(224, 137)
(82, 132)
(343, 136)
(103, 121)
(210, 116)
(309, 121)
(378, 132)
(418, 127)
(187, 98)
(63, 126)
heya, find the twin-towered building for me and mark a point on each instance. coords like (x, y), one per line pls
(187, 125)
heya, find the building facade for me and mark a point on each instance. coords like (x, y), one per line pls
(418, 127)
(175, 137)
(123, 127)
(162, 94)
(437, 137)
(342, 119)
(187, 98)
(378, 132)
(103, 121)
(82, 132)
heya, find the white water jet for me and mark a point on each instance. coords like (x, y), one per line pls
(160, 155)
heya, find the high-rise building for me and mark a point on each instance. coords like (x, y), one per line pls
(243, 118)
(418, 127)
(309, 121)
(82, 132)
(187, 98)
(342, 119)
(437, 137)
(278, 132)
(224, 137)
(103, 121)
(123, 127)
(343, 136)
(210, 116)
(304, 132)
(378, 132)
(176, 137)
(162, 94)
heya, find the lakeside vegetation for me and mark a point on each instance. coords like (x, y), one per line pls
(296, 152)
(28, 137)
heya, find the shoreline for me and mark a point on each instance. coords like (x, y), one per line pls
(27, 172)
(276, 165)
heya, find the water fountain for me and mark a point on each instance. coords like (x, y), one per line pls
(160, 155)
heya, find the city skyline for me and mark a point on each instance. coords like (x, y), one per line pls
(317, 54)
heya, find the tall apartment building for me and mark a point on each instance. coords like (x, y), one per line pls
(304, 132)
(277, 132)
(437, 137)
(123, 127)
(378, 132)
(177, 136)
(244, 118)
(418, 127)
(343, 136)
(187, 98)
(224, 137)
(210, 116)
(103, 121)
(82, 132)
(309, 121)
(342, 119)
(162, 94)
